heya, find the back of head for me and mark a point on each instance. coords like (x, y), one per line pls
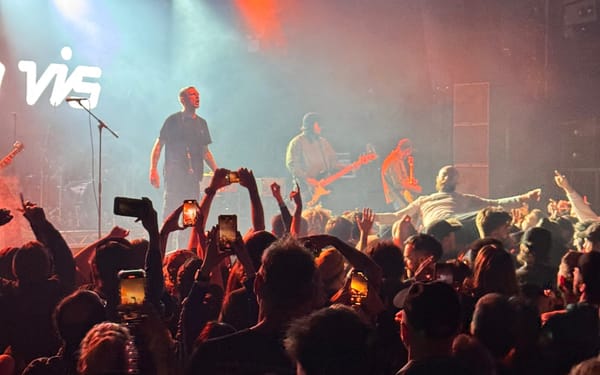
(587, 367)
(256, 244)
(277, 226)
(493, 324)
(330, 341)
(316, 217)
(536, 243)
(494, 272)
(289, 276)
(107, 348)
(7, 255)
(171, 264)
(110, 258)
(339, 227)
(76, 314)
(31, 263)
(426, 244)
(433, 309)
(440, 229)
(589, 268)
(490, 219)
(389, 257)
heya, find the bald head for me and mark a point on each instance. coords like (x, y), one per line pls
(447, 179)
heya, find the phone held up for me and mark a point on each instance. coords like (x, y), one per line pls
(130, 207)
(190, 212)
(227, 232)
(233, 177)
(132, 287)
(359, 287)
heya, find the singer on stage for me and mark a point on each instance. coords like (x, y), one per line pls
(186, 138)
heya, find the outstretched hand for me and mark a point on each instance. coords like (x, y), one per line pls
(562, 181)
(276, 191)
(33, 212)
(219, 179)
(247, 178)
(534, 194)
(365, 223)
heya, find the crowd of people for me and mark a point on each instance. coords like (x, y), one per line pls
(315, 294)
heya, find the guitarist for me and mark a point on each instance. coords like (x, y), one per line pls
(309, 156)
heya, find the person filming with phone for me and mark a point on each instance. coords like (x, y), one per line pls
(186, 137)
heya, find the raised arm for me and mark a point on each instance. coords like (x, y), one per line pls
(64, 264)
(154, 156)
(84, 257)
(154, 275)
(296, 228)
(248, 181)
(365, 224)
(389, 218)
(582, 210)
(286, 217)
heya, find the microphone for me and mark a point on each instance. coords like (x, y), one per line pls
(74, 99)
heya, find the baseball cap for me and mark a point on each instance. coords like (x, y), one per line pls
(441, 228)
(433, 308)
(537, 237)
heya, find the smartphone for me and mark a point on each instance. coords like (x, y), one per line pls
(444, 272)
(233, 177)
(190, 212)
(132, 286)
(130, 207)
(359, 287)
(227, 231)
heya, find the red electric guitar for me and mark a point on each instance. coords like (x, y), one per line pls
(17, 147)
(319, 185)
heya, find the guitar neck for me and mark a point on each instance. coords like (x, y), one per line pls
(340, 173)
(9, 157)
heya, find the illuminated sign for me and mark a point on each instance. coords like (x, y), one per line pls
(78, 81)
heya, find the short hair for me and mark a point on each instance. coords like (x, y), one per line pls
(339, 227)
(330, 341)
(588, 367)
(107, 348)
(183, 91)
(432, 308)
(493, 324)
(110, 258)
(424, 243)
(76, 314)
(31, 263)
(309, 120)
(537, 242)
(289, 273)
(490, 219)
(389, 257)
(589, 267)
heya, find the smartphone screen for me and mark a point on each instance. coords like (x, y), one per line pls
(132, 287)
(233, 177)
(190, 212)
(227, 231)
(359, 287)
(129, 207)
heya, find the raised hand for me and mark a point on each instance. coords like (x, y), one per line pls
(296, 196)
(219, 179)
(212, 255)
(276, 191)
(247, 178)
(118, 232)
(365, 223)
(562, 182)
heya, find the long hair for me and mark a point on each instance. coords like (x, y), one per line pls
(494, 272)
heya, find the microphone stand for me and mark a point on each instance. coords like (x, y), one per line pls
(101, 125)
